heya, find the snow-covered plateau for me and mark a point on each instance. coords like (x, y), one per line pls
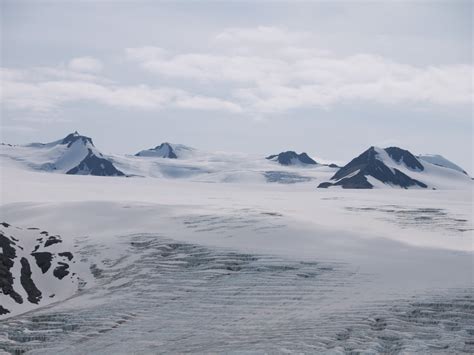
(232, 253)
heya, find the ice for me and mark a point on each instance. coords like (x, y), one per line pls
(191, 264)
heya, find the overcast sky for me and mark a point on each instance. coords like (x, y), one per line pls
(328, 78)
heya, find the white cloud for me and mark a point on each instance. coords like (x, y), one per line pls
(44, 95)
(293, 75)
(85, 64)
(253, 71)
(208, 103)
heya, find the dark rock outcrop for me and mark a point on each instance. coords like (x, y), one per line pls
(164, 150)
(66, 254)
(95, 165)
(404, 156)
(291, 157)
(34, 295)
(3, 310)
(43, 260)
(70, 139)
(61, 270)
(6, 263)
(54, 239)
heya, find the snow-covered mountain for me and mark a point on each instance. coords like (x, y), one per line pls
(292, 158)
(376, 167)
(439, 160)
(394, 167)
(75, 154)
(167, 150)
(35, 269)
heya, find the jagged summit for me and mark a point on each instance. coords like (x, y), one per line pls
(292, 158)
(166, 150)
(384, 165)
(74, 137)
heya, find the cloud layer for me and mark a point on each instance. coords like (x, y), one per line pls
(273, 70)
(54, 88)
(258, 71)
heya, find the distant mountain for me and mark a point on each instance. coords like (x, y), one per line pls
(75, 155)
(166, 150)
(382, 165)
(440, 161)
(36, 269)
(292, 158)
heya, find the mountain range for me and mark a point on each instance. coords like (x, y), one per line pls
(76, 154)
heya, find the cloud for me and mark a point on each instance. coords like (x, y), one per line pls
(85, 64)
(252, 71)
(208, 103)
(260, 34)
(48, 94)
(293, 74)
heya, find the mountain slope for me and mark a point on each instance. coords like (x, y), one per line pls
(75, 155)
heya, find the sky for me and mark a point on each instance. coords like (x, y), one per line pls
(330, 78)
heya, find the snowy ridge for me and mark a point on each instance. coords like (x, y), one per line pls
(395, 167)
(439, 160)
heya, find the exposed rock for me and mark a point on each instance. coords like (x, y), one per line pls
(67, 254)
(369, 163)
(43, 260)
(52, 240)
(94, 165)
(164, 150)
(6, 263)
(3, 310)
(74, 137)
(404, 156)
(291, 158)
(61, 270)
(34, 295)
